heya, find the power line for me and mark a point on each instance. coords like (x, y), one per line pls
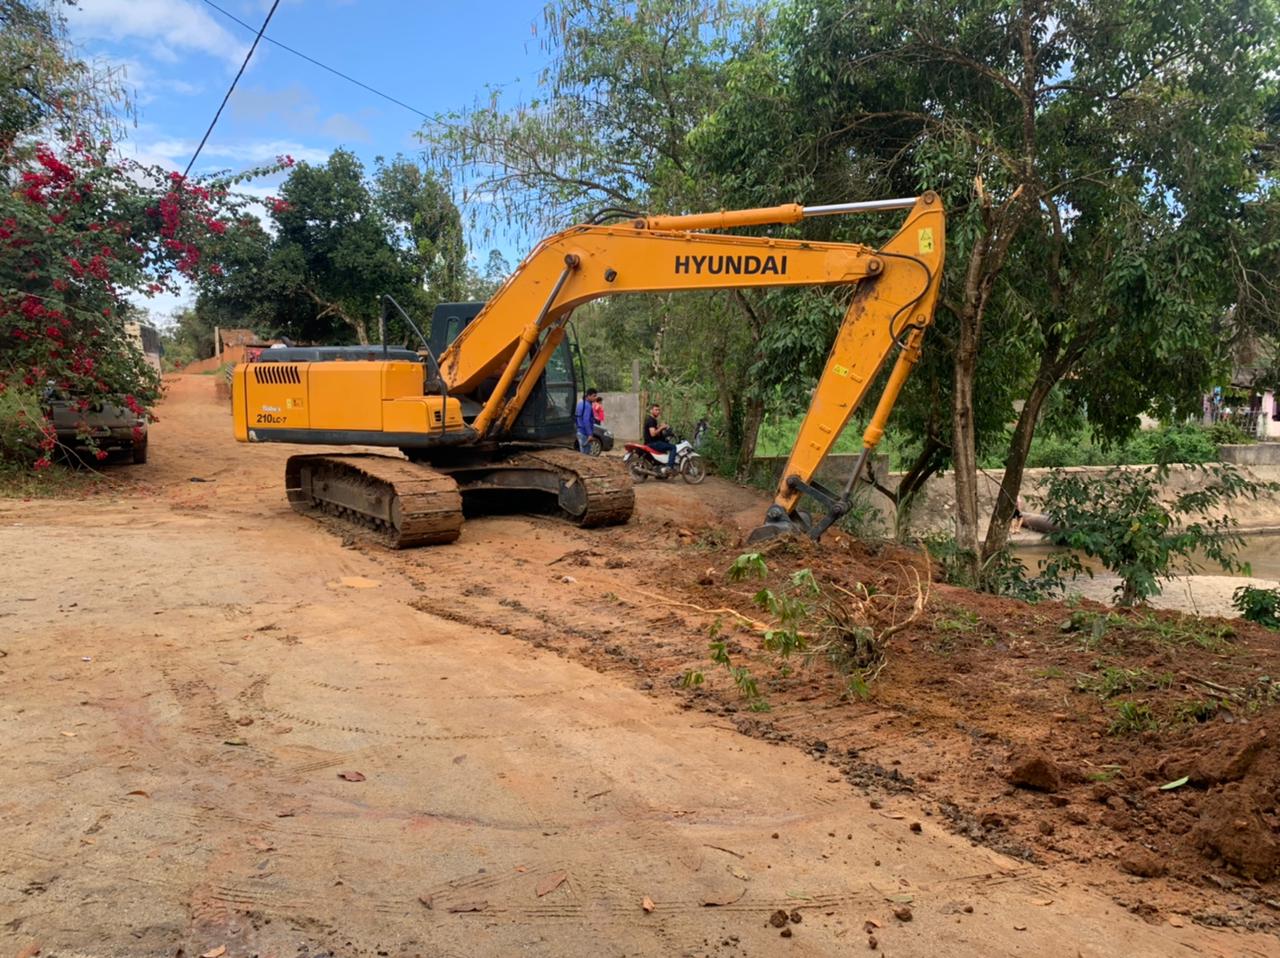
(231, 89)
(322, 66)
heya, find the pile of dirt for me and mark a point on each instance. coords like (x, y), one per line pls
(1146, 742)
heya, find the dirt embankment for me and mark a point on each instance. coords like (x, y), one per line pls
(1139, 746)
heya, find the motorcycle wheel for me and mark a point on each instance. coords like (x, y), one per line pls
(594, 446)
(693, 470)
(637, 470)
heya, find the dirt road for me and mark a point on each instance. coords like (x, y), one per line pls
(223, 729)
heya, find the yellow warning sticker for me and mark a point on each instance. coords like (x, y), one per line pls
(840, 370)
(926, 240)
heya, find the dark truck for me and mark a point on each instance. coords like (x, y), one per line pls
(111, 427)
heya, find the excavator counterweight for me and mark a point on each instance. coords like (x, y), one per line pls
(484, 410)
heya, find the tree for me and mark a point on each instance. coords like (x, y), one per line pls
(1122, 520)
(81, 230)
(1097, 160)
(341, 241)
(42, 84)
(187, 337)
(611, 132)
(481, 286)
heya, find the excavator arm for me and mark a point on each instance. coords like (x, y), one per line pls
(892, 305)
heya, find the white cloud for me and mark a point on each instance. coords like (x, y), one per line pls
(143, 79)
(174, 153)
(295, 110)
(170, 26)
(345, 129)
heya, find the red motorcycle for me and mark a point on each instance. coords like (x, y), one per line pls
(645, 463)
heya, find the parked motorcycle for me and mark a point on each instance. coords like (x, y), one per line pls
(645, 463)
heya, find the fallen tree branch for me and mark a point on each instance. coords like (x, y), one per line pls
(922, 597)
(1233, 693)
(753, 623)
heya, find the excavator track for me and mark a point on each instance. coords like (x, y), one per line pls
(609, 494)
(402, 504)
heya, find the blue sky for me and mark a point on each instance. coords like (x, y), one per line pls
(179, 56)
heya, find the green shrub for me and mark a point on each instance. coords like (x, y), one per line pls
(1169, 444)
(1226, 433)
(25, 435)
(1258, 605)
(1120, 519)
(1166, 444)
(1003, 574)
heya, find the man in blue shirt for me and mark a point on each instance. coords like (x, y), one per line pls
(585, 418)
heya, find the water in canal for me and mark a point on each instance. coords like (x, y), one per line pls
(1262, 552)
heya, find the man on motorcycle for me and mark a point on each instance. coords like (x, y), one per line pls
(655, 435)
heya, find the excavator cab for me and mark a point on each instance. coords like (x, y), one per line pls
(548, 415)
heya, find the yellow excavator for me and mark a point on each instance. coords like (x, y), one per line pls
(483, 410)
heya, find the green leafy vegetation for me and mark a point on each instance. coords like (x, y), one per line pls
(1110, 681)
(811, 620)
(1121, 520)
(1131, 718)
(1124, 631)
(1072, 445)
(1002, 573)
(1258, 605)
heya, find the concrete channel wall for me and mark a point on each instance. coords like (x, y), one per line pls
(1253, 454)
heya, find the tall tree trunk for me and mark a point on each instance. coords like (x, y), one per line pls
(1016, 461)
(753, 415)
(985, 262)
(964, 449)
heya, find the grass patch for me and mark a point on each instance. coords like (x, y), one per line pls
(963, 621)
(20, 481)
(1131, 718)
(1195, 711)
(1111, 681)
(1110, 629)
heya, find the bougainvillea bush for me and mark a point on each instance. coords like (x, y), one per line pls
(81, 230)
